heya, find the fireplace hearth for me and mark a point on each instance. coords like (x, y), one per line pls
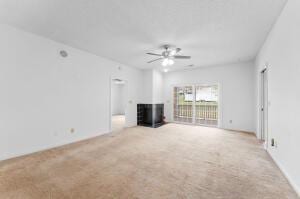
(151, 115)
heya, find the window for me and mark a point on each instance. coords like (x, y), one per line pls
(196, 104)
(183, 104)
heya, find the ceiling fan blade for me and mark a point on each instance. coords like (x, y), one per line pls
(153, 54)
(154, 60)
(182, 57)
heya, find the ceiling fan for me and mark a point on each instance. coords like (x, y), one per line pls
(168, 56)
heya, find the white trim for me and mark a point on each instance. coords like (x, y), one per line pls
(220, 111)
(263, 104)
(220, 105)
(286, 174)
(111, 78)
(195, 124)
(193, 105)
(235, 130)
(109, 107)
(259, 96)
(52, 146)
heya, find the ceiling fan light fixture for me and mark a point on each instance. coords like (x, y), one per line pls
(168, 56)
(171, 62)
(165, 62)
(172, 53)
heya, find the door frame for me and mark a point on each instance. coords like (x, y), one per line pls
(193, 85)
(263, 106)
(111, 78)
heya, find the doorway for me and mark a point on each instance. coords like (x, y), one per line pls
(196, 104)
(264, 107)
(118, 104)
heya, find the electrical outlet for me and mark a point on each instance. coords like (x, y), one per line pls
(72, 130)
(230, 121)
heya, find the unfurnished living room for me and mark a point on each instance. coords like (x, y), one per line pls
(159, 99)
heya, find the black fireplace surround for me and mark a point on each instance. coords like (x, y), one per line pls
(151, 115)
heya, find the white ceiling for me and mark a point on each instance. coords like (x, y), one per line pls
(211, 31)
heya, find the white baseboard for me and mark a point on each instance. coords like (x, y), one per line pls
(39, 149)
(286, 174)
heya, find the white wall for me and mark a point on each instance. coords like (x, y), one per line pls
(147, 95)
(44, 95)
(117, 99)
(281, 53)
(236, 92)
(157, 88)
(152, 87)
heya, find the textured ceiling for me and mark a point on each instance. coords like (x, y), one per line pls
(211, 31)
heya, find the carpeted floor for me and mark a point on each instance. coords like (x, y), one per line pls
(173, 161)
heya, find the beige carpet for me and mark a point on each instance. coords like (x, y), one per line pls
(173, 161)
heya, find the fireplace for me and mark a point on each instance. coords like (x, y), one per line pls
(151, 115)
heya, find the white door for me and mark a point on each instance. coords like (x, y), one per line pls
(196, 104)
(183, 104)
(206, 105)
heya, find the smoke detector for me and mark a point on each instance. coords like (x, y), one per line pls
(63, 53)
